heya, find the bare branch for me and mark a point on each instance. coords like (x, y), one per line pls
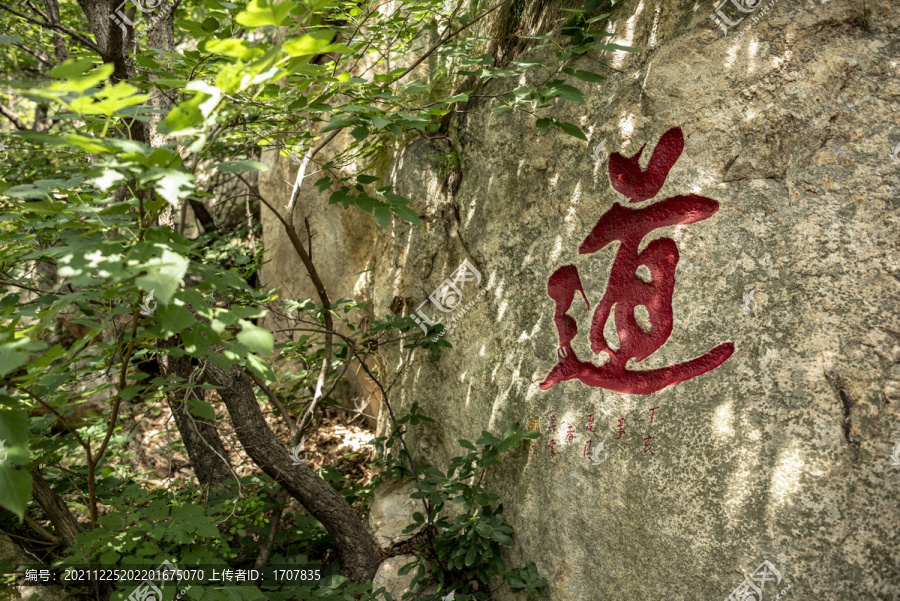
(11, 115)
(273, 399)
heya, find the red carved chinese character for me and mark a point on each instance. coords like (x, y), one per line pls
(552, 424)
(651, 414)
(552, 446)
(570, 435)
(621, 429)
(590, 426)
(647, 444)
(626, 290)
(587, 450)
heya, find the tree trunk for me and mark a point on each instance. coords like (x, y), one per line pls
(200, 437)
(65, 523)
(360, 555)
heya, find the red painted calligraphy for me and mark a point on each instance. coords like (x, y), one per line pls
(626, 290)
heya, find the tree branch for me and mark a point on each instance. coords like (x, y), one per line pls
(11, 115)
(360, 555)
(443, 41)
(73, 34)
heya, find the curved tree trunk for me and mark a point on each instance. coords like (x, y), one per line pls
(360, 555)
(201, 439)
(56, 509)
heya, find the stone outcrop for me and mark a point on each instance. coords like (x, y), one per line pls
(779, 454)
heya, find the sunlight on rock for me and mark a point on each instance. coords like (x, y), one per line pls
(362, 282)
(553, 180)
(785, 480)
(619, 57)
(557, 249)
(723, 422)
(503, 304)
(732, 55)
(626, 127)
(655, 28)
(752, 51)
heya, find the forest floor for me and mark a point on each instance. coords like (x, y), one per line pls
(339, 438)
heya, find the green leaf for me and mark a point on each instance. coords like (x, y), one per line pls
(367, 179)
(202, 409)
(407, 214)
(15, 489)
(570, 93)
(407, 568)
(15, 485)
(175, 318)
(175, 185)
(164, 275)
(572, 130)
(257, 339)
(263, 12)
(210, 24)
(156, 511)
(307, 44)
(543, 123)
(360, 133)
(467, 444)
(383, 216)
(471, 556)
(615, 47)
(11, 356)
(188, 522)
(380, 122)
(239, 166)
(227, 47)
(501, 538)
(588, 76)
(71, 68)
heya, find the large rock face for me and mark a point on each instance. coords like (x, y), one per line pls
(781, 452)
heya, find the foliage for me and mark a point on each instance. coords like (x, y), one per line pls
(465, 538)
(98, 278)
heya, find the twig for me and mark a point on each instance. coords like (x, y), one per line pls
(74, 35)
(441, 42)
(11, 115)
(273, 399)
(40, 530)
